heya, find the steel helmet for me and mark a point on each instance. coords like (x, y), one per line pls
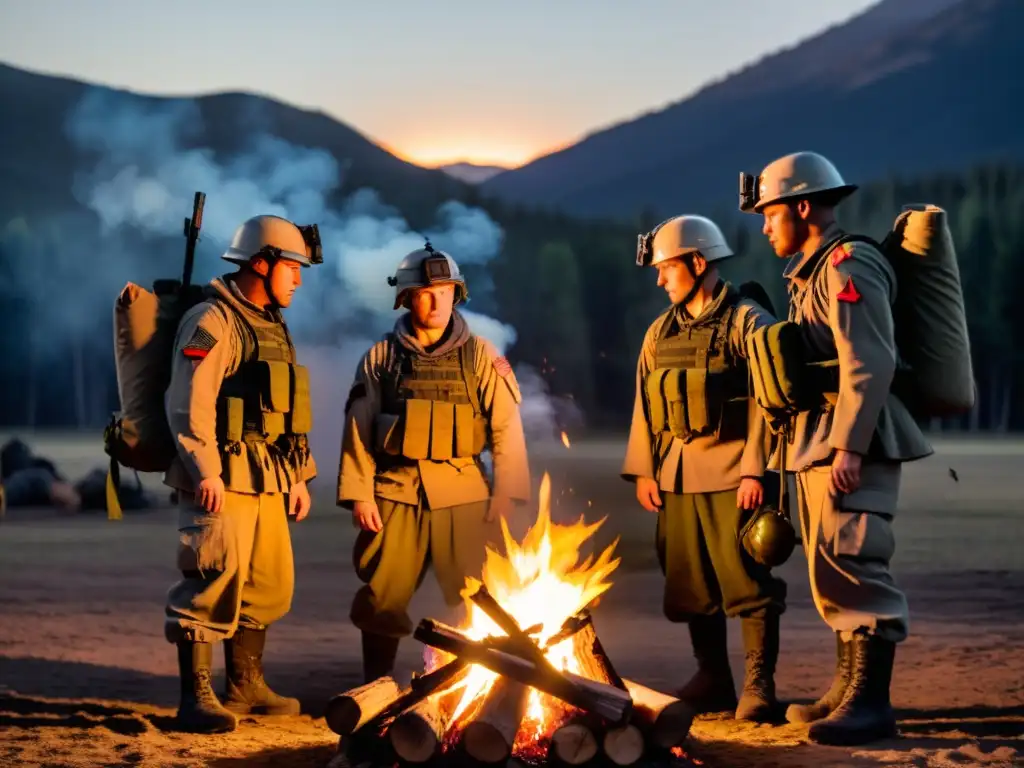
(275, 238)
(680, 236)
(768, 537)
(427, 266)
(792, 177)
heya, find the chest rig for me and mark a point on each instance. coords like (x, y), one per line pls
(435, 404)
(266, 400)
(698, 387)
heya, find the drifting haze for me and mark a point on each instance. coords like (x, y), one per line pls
(148, 163)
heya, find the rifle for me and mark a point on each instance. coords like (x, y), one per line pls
(192, 226)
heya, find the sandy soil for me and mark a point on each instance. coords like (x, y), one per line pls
(86, 678)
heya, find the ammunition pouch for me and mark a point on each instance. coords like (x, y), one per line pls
(689, 403)
(431, 430)
(784, 381)
(264, 401)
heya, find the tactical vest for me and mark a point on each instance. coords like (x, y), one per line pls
(266, 400)
(433, 405)
(697, 387)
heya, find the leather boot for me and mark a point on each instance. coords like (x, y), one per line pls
(246, 691)
(865, 713)
(199, 710)
(808, 713)
(712, 688)
(379, 653)
(761, 645)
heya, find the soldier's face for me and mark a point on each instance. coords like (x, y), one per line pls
(285, 277)
(785, 229)
(675, 278)
(431, 307)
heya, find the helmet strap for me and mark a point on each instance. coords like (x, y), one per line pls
(698, 280)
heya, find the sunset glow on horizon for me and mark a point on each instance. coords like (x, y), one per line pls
(446, 151)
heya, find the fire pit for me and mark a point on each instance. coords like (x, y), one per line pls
(525, 676)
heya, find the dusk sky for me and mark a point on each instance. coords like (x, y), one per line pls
(432, 82)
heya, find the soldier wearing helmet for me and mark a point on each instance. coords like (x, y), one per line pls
(697, 450)
(847, 446)
(238, 406)
(426, 401)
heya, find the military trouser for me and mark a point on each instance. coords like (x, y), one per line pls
(848, 546)
(706, 568)
(393, 561)
(237, 568)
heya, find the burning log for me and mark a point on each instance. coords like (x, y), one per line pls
(623, 744)
(594, 662)
(574, 743)
(666, 718)
(348, 712)
(416, 732)
(519, 639)
(600, 698)
(380, 699)
(491, 734)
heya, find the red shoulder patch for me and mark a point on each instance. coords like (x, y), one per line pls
(502, 366)
(199, 345)
(849, 293)
(841, 253)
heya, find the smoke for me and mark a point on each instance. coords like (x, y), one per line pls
(149, 161)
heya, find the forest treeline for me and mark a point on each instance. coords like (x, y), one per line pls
(570, 288)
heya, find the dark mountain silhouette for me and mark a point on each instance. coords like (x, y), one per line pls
(471, 173)
(38, 161)
(908, 87)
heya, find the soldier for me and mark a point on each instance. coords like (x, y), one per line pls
(238, 406)
(696, 450)
(425, 403)
(848, 449)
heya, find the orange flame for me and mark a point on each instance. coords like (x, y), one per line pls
(540, 582)
(565, 440)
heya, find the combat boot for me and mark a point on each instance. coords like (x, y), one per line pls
(712, 688)
(865, 713)
(199, 710)
(246, 690)
(808, 713)
(761, 645)
(379, 654)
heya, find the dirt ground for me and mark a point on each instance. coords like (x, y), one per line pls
(86, 678)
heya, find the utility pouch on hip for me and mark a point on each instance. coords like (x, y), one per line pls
(233, 419)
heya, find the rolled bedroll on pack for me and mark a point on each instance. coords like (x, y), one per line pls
(929, 315)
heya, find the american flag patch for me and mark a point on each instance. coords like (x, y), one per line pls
(199, 345)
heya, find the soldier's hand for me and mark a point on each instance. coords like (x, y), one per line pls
(845, 476)
(647, 493)
(750, 494)
(499, 507)
(366, 515)
(299, 502)
(210, 494)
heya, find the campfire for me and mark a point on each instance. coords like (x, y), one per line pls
(525, 676)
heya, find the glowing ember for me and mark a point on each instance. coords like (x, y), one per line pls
(565, 440)
(540, 583)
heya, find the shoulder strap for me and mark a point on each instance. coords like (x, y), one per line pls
(664, 323)
(467, 361)
(249, 338)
